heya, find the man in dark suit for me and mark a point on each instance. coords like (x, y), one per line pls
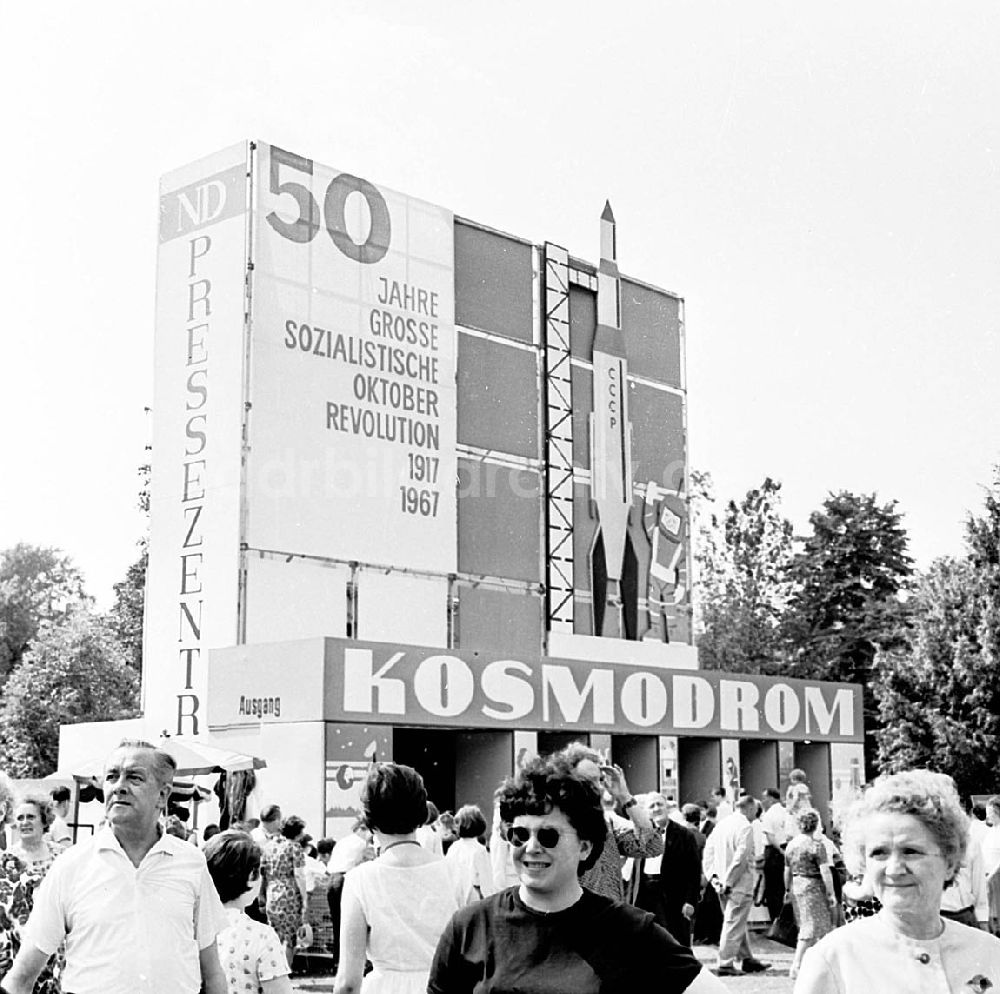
(669, 886)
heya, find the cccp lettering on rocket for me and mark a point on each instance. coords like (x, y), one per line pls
(610, 437)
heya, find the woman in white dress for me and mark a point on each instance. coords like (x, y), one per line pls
(395, 907)
(468, 856)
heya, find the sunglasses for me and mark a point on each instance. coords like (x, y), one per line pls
(548, 837)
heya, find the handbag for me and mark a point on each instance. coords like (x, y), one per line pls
(784, 929)
(304, 936)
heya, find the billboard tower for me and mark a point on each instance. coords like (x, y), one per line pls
(420, 491)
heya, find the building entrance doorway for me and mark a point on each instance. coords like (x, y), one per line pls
(459, 766)
(431, 752)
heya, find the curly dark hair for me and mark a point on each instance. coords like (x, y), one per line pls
(233, 861)
(575, 753)
(544, 784)
(807, 820)
(394, 799)
(292, 827)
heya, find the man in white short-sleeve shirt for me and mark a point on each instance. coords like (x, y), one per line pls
(136, 907)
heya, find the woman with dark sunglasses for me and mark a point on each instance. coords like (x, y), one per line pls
(549, 934)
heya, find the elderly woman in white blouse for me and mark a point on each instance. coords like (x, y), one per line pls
(908, 835)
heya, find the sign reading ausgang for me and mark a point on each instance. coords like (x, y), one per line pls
(413, 685)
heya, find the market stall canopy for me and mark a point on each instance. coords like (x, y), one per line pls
(192, 757)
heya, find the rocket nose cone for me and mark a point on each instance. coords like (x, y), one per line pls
(607, 214)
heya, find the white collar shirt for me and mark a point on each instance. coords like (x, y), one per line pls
(968, 889)
(347, 854)
(315, 871)
(773, 820)
(977, 830)
(759, 841)
(471, 863)
(262, 836)
(709, 856)
(990, 847)
(59, 833)
(128, 929)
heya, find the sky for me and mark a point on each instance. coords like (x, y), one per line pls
(819, 182)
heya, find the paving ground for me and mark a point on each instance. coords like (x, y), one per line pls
(774, 981)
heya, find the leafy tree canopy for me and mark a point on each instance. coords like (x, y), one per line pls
(36, 585)
(938, 690)
(847, 578)
(742, 554)
(126, 615)
(74, 671)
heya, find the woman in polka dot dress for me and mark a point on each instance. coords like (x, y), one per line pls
(251, 954)
(283, 872)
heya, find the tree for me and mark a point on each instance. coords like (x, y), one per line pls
(847, 579)
(939, 693)
(74, 671)
(939, 689)
(126, 614)
(709, 555)
(36, 585)
(742, 556)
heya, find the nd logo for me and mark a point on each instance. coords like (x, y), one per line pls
(208, 203)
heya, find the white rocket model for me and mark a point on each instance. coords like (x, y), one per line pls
(610, 433)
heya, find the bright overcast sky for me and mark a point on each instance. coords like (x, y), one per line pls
(820, 182)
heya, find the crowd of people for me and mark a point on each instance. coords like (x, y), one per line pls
(574, 885)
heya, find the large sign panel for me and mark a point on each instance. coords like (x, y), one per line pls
(417, 685)
(352, 407)
(192, 587)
